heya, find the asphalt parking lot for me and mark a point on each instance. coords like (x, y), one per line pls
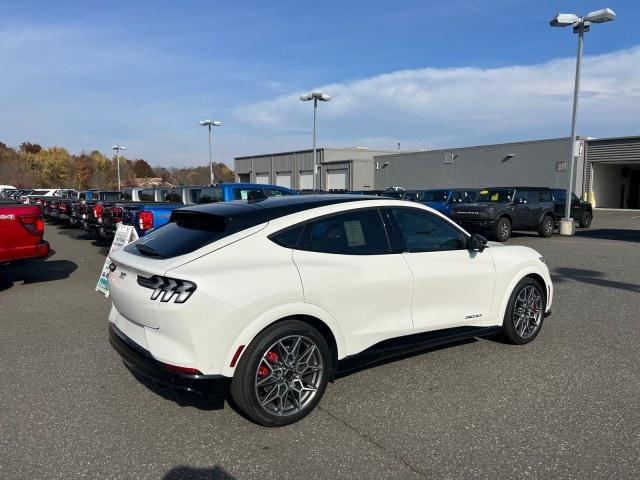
(565, 406)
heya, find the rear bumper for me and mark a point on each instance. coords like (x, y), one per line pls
(140, 360)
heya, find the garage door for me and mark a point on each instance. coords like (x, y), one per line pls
(337, 179)
(283, 179)
(262, 178)
(306, 180)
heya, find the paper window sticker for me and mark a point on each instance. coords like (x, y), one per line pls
(355, 235)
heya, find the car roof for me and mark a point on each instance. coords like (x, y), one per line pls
(263, 210)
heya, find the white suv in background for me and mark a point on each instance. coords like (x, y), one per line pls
(277, 295)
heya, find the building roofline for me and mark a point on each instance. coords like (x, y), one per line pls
(310, 150)
(492, 145)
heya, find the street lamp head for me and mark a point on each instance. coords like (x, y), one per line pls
(117, 147)
(306, 97)
(601, 16)
(204, 123)
(324, 98)
(216, 123)
(564, 20)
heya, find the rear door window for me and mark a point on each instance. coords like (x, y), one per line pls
(358, 232)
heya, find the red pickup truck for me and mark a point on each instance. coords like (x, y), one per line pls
(21, 231)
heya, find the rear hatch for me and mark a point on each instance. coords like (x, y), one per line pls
(189, 235)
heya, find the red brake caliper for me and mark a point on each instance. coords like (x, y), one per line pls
(271, 357)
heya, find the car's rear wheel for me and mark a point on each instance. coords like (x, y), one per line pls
(525, 312)
(502, 230)
(282, 374)
(585, 221)
(545, 228)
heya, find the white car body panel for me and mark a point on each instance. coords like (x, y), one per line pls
(245, 282)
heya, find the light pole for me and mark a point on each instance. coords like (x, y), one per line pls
(315, 96)
(210, 123)
(117, 148)
(580, 26)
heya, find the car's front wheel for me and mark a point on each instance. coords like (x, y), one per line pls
(502, 230)
(282, 374)
(525, 312)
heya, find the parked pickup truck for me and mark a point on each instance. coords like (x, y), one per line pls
(94, 208)
(146, 217)
(497, 210)
(21, 232)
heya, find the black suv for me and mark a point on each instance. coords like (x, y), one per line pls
(581, 211)
(497, 210)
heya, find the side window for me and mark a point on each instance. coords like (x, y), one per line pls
(521, 197)
(533, 196)
(173, 196)
(248, 193)
(545, 196)
(126, 194)
(163, 192)
(574, 198)
(352, 233)
(560, 195)
(423, 232)
(273, 192)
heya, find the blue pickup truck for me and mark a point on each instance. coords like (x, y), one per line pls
(149, 216)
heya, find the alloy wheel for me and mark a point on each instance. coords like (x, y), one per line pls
(289, 375)
(527, 312)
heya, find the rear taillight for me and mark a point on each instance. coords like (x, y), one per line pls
(166, 289)
(33, 224)
(97, 211)
(145, 220)
(62, 207)
(117, 214)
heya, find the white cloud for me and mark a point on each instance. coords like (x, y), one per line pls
(465, 106)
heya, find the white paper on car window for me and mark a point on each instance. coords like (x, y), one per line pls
(244, 194)
(355, 235)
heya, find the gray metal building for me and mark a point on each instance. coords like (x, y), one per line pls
(340, 168)
(534, 163)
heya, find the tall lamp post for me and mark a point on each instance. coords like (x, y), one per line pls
(210, 123)
(117, 148)
(580, 26)
(315, 96)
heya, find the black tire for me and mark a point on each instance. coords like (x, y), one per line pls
(545, 228)
(502, 229)
(244, 390)
(510, 325)
(585, 221)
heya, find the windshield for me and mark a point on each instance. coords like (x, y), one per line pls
(39, 192)
(495, 195)
(440, 196)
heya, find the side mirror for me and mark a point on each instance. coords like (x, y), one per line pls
(476, 243)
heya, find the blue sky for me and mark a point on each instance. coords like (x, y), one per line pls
(86, 75)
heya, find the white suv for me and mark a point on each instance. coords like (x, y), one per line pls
(278, 295)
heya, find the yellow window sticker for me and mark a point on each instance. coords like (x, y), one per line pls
(484, 192)
(494, 197)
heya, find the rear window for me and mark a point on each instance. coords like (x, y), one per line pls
(126, 195)
(186, 232)
(211, 195)
(111, 196)
(146, 195)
